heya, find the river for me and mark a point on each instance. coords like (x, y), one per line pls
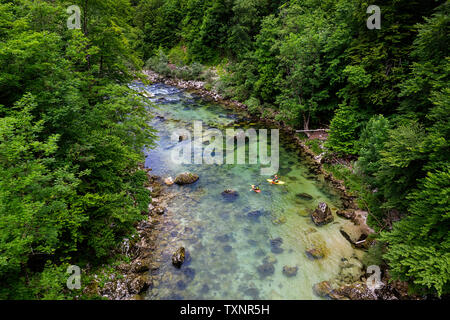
(228, 240)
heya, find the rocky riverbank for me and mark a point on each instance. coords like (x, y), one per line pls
(130, 280)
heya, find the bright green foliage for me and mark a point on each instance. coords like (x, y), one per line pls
(419, 245)
(71, 137)
(343, 131)
(370, 144)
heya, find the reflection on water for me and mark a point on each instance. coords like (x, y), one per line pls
(237, 247)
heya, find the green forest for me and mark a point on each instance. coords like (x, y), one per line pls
(72, 133)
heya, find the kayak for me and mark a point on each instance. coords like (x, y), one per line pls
(256, 190)
(279, 181)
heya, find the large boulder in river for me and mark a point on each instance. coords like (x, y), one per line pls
(178, 257)
(322, 215)
(186, 178)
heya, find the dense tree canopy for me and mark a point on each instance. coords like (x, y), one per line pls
(71, 137)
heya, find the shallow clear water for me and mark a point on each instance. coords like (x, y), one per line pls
(226, 244)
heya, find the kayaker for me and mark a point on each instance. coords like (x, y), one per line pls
(255, 188)
(275, 179)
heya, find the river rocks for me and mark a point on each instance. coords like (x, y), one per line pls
(350, 271)
(270, 259)
(186, 178)
(354, 234)
(314, 253)
(266, 269)
(139, 284)
(178, 257)
(159, 210)
(355, 291)
(290, 271)
(323, 289)
(169, 181)
(139, 265)
(279, 220)
(304, 196)
(347, 214)
(322, 215)
(254, 215)
(275, 245)
(230, 195)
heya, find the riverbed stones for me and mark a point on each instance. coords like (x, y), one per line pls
(322, 215)
(254, 215)
(139, 284)
(347, 214)
(266, 269)
(270, 259)
(178, 257)
(169, 181)
(290, 271)
(304, 196)
(279, 220)
(230, 195)
(275, 245)
(186, 178)
(324, 290)
(354, 234)
(314, 253)
(355, 291)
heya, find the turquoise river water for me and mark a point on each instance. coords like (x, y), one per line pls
(228, 239)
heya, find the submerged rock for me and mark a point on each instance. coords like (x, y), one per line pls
(230, 195)
(280, 220)
(304, 196)
(290, 271)
(223, 238)
(189, 273)
(275, 245)
(254, 215)
(314, 253)
(322, 215)
(181, 285)
(266, 269)
(252, 292)
(323, 289)
(270, 259)
(178, 257)
(186, 178)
